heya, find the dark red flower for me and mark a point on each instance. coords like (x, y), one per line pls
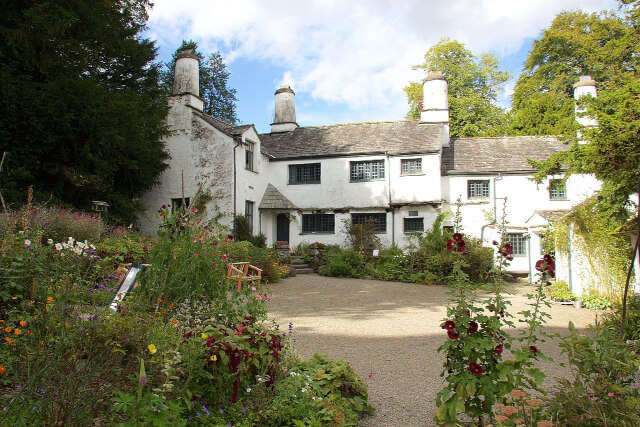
(495, 243)
(457, 237)
(473, 327)
(449, 325)
(547, 258)
(499, 348)
(534, 349)
(450, 244)
(453, 335)
(475, 369)
(461, 246)
(540, 265)
(491, 307)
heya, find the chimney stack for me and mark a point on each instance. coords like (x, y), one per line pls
(585, 86)
(285, 111)
(186, 80)
(435, 103)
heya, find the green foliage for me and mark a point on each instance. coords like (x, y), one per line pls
(473, 89)
(126, 249)
(603, 46)
(265, 259)
(594, 302)
(613, 319)
(361, 237)
(83, 111)
(602, 390)
(559, 291)
(219, 99)
(244, 232)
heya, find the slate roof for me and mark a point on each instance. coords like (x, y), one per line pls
(403, 136)
(504, 154)
(221, 125)
(274, 199)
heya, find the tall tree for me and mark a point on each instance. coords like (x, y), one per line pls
(219, 99)
(474, 85)
(575, 44)
(82, 109)
(608, 50)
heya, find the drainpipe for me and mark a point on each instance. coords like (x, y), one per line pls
(569, 261)
(238, 142)
(495, 209)
(529, 252)
(393, 214)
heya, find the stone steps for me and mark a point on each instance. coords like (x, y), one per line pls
(299, 266)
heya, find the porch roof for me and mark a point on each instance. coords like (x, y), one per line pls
(274, 199)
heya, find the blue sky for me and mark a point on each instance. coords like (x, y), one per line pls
(347, 60)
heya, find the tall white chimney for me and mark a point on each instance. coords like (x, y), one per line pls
(285, 111)
(435, 103)
(585, 86)
(186, 79)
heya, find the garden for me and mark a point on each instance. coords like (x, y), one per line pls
(181, 349)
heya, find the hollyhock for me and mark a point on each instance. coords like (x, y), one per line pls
(475, 369)
(449, 325)
(453, 335)
(473, 327)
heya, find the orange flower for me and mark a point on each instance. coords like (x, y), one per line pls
(49, 300)
(23, 323)
(17, 331)
(172, 305)
(14, 297)
(7, 329)
(28, 332)
(159, 299)
(174, 321)
(164, 313)
(9, 340)
(2, 369)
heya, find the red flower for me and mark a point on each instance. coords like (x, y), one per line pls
(499, 348)
(506, 249)
(475, 369)
(457, 237)
(450, 244)
(453, 335)
(461, 245)
(449, 325)
(534, 349)
(473, 327)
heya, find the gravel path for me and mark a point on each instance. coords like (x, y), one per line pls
(392, 331)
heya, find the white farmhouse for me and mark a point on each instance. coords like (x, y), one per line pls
(299, 184)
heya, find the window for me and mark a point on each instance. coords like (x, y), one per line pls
(248, 213)
(410, 166)
(176, 205)
(378, 219)
(248, 152)
(304, 174)
(519, 243)
(367, 171)
(413, 225)
(478, 189)
(557, 190)
(448, 228)
(318, 223)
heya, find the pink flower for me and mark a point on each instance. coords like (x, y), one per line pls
(224, 257)
(501, 418)
(610, 394)
(509, 410)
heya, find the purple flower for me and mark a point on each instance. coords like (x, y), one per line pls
(244, 410)
(290, 326)
(221, 411)
(204, 408)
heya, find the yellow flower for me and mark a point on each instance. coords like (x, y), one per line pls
(204, 336)
(152, 348)
(214, 358)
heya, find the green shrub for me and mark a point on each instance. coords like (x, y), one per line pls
(559, 291)
(613, 319)
(244, 233)
(595, 302)
(125, 249)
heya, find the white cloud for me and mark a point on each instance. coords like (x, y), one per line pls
(354, 52)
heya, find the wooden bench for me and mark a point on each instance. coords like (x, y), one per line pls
(239, 272)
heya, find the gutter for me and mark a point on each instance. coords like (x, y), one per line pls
(393, 214)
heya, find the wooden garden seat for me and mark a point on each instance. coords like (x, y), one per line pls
(239, 272)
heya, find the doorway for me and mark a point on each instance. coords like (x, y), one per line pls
(282, 228)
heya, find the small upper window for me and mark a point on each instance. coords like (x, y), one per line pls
(367, 170)
(557, 189)
(304, 174)
(411, 166)
(478, 189)
(249, 155)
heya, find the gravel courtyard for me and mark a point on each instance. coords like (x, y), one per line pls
(389, 332)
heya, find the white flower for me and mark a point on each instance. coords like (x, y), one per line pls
(304, 390)
(21, 232)
(50, 241)
(27, 242)
(248, 389)
(58, 246)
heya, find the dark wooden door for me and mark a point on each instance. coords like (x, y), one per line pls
(282, 228)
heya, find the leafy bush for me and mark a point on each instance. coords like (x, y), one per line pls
(559, 291)
(613, 319)
(125, 249)
(595, 302)
(244, 233)
(361, 237)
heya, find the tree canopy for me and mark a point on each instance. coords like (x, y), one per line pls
(605, 47)
(82, 109)
(473, 89)
(219, 99)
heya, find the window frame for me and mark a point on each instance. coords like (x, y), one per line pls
(318, 223)
(248, 212)
(520, 244)
(472, 187)
(409, 171)
(176, 204)
(367, 170)
(412, 219)
(248, 156)
(557, 189)
(315, 171)
(381, 226)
